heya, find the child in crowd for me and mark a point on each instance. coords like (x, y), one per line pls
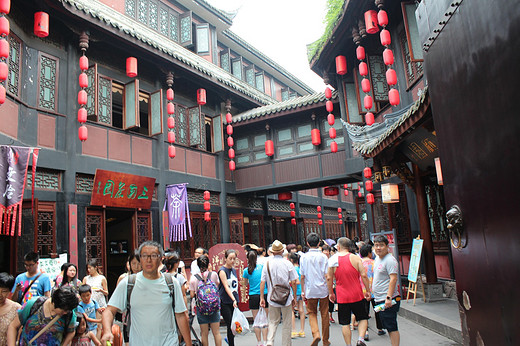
(89, 307)
(295, 260)
(82, 337)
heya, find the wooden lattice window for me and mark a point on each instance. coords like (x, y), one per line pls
(236, 228)
(95, 236)
(48, 69)
(45, 237)
(311, 226)
(186, 34)
(130, 8)
(413, 69)
(254, 231)
(225, 59)
(14, 61)
(196, 127)
(174, 25)
(378, 85)
(250, 75)
(104, 100)
(143, 229)
(236, 67)
(259, 80)
(181, 126)
(436, 212)
(153, 8)
(362, 217)
(333, 229)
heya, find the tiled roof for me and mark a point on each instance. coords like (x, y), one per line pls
(366, 138)
(272, 109)
(130, 27)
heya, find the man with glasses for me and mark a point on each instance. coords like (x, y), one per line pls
(152, 319)
(32, 283)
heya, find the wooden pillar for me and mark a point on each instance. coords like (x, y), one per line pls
(424, 225)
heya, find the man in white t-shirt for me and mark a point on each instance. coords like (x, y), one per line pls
(152, 317)
(194, 268)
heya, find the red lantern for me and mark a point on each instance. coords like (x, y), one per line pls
(5, 6)
(4, 26)
(83, 133)
(230, 141)
(131, 67)
(365, 85)
(388, 57)
(82, 115)
(345, 186)
(269, 147)
(171, 151)
(367, 101)
(207, 216)
(360, 194)
(171, 137)
(232, 165)
(334, 147)
(231, 153)
(4, 70)
(293, 213)
(341, 65)
(393, 96)
(369, 186)
(4, 48)
(340, 216)
(385, 37)
(201, 97)
(331, 191)
(318, 208)
(369, 118)
(363, 68)
(319, 215)
(41, 24)
(382, 18)
(332, 133)
(330, 119)
(83, 80)
(229, 118)
(328, 93)
(370, 198)
(169, 94)
(82, 97)
(284, 196)
(292, 206)
(391, 77)
(329, 106)
(371, 22)
(83, 63)
(320, 222)
(206, 195)
(229, 130)
(345, 192)
(2, 94)
(171, 122)
(207, 205)
(315, 137)
(360, 53)
(340, 210)
(367, 172)
(293, 221)
(340, 222)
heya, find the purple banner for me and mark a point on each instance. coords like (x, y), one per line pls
(176, 204)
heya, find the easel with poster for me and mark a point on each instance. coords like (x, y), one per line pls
(392, 246)
(413, 271)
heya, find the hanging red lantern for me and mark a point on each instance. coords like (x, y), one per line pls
(318, 208)
(4, 26)
(360, 194)
(319, 215)
(171, 137)
(340, 222)
(388, 57)
(369, 185)
(369, 118)
(230, 141)
(207, 205)
(393, 96)
(207, 216)
(83, 133)
(370, 198)
(229, 130)
(391, 77)
(341, 65)
(334, 147)
(131, 67)
(320, 222)
(345, 186)
(82, 115)
(4, 48)
(231, 153)
(365, 85)
(171, 151)
(2, 94)
(83, 80)
(293, 221)
(284, 196)
(367, 172)
(371, 24)
(206, 195)
(329, 106)
(83, 63)
(82, 97)
(340, 216)
(382, 18)
(171, 122)
(229, 118)
(367, 101)
(340, 210)
(41, 24)
(169, 94)
(5, 6)
(328, 93)
(201, 97)
(4, 70)
(385, 37)
(331, 191)
(269, 147)
(363, 68)
(345, 193)
(315, 137)
(232, 165)
(292, 206)
(330, 119)
(360, 53)
(332, 133)
(293, 213)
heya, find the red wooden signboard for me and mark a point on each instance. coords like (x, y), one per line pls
(115, 189)
(217, 260)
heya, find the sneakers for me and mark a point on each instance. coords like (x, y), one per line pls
(294, 335)
(381, 332)
(360, 343)
(332, 320)
(367, 337)
(301, 334)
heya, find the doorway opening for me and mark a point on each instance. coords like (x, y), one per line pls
(119, 243)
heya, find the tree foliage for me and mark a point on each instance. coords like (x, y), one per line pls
(334, 11)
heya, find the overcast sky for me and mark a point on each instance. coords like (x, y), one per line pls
(281, 29)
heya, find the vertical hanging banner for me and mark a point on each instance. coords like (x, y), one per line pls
(13, 172)
(176, 204)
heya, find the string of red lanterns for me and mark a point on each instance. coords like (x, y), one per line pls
(170, 109)
(320, 221)
(365, 84)
(207, 206)
(269, 144)
(83, 84)
(345, 189)
(340, 216)
(330, 118)
(5, 7)
(315, 132)
(293, 214)
(369, 186)
(229, 131)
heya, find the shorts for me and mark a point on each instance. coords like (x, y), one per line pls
(207, 319)
(254, 302)
(346, 309)
(388, 317)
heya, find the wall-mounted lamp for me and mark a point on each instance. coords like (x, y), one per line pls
(390, 193)
(438, 170)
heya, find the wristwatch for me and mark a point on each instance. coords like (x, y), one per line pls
(388, 298)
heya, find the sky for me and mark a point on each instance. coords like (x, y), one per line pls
(281, 29)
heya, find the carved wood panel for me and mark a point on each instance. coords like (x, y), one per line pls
(95, 237)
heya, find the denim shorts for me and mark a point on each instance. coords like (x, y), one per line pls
(206, 319)
(389, 317)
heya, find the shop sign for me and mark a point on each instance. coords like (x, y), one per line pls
(115, 189)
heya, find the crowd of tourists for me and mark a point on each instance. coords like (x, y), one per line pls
(156, 300)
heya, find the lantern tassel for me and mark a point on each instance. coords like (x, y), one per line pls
(13, 220)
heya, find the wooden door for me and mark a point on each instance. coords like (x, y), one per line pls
(95, 238)
(236, 228)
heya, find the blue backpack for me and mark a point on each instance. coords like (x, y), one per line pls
(208, 298)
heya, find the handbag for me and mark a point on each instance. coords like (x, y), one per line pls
(280, 293)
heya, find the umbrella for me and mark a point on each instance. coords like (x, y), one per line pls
(330, 242)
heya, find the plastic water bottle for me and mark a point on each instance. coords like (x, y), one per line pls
(381, 307)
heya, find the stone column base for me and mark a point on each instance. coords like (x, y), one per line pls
(433, 291)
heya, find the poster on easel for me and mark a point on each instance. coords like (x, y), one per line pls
(392, 247)
(415, 260)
